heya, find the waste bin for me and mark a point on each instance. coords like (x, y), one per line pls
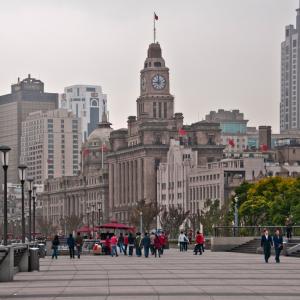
(42, 250)
(34, 260)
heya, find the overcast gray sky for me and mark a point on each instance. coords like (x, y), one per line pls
(221, 53)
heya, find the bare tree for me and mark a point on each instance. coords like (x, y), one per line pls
(149, 212)
(73, 222)
(172, 218)
(45, 227)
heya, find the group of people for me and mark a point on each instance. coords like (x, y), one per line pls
(153, 243)
(183, 242)
(268, 241)
(72, 243)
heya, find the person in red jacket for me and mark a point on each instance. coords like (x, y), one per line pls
(113, 243)
(199, 240)
(157, 246)
(162, 240)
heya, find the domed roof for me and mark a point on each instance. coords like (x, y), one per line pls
(101, 134)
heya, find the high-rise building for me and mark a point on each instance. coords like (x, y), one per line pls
(290, 80)
(26, 96)
(87, 103)
(50, 144)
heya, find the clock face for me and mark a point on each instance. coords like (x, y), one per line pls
(158, 82)
(143, 83)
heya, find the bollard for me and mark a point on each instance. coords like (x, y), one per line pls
(34, 261)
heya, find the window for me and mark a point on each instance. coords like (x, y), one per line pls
(159, 109)
(165, 110)
(154, 109)
(90, 89)
(157, 64)
(294, 43)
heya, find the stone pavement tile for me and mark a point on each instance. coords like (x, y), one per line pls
(131, 290)
(181, 297)
(128, 282)
(166, 281)
(85, 291)
(46, 283)
(80, 298)
(285, 297)
(143, 297)
(174, 290)
(221, 290)
(88, 283)
(239, 297)
(44, 291)
(23, 298)
(8, 291)
(270, 289)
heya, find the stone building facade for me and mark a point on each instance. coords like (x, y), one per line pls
(138, 150)
(86, 193)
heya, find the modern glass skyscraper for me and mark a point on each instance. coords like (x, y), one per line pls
(290, 71)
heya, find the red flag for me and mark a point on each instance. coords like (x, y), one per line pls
(104, 148)
(86, 152)
(182, 132)
(264, 147)
(155, 17)
(231, 142)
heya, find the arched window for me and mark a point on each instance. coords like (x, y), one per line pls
(94, 103)
(157, 64)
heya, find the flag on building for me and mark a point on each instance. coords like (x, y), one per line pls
(155, 17)
(263, 147)
(182, 132)
(231, 142)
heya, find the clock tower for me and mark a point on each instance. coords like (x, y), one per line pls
(155, 101)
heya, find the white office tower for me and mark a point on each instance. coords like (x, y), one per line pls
(87, 102)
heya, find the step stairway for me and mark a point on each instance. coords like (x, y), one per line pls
(249, 247)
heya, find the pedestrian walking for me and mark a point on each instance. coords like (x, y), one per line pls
(162, 239)
(152, 238)
(131, 240)
(278, 245)
(146, 244)
(125, 243)
(113, 243)
(138, 244)
(71, 244)
(266, 243)
(289, 228)
(79, 243)
(181, 240)
(121, 243)
(107, 248)
(55, 244)
(186, 242)
(199, 240)
(157, 246)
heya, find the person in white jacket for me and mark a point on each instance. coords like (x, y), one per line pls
(181, 240)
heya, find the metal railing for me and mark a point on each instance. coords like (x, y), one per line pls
(256, 231)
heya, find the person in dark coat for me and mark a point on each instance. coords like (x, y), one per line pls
(131, 241)
(278, 244)
(289, 228)
(71, 244)
(55, 244)
(146, 242)
(266, 243)
(138, 244)
(121, 243)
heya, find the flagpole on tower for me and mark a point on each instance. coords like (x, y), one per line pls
(154, 29)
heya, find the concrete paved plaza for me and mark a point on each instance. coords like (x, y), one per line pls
(173, 276)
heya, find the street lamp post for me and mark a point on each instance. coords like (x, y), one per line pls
(236, 215)
(30, 184)
(93, 223)
(22, 175)
(141, 222)
(33, 210)
(99, 212)
(5, 156)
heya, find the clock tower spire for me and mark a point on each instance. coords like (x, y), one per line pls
(155, 101)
